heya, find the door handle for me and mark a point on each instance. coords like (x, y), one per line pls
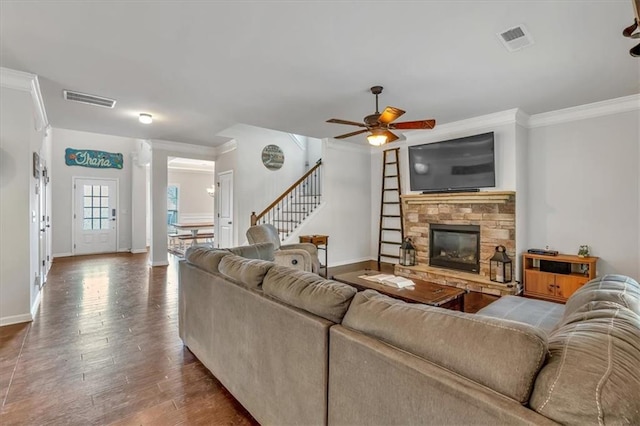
(229, 223)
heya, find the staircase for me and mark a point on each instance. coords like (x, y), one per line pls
(290, 209)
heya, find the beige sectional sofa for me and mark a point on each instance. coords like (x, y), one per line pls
(294, 348)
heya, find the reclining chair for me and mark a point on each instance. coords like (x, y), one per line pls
(303, 256)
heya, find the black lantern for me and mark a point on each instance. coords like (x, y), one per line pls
(500, 266)
(407, 253)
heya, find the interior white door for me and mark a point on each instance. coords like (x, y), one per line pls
(224, 224)
(95, 214)
(44, 222)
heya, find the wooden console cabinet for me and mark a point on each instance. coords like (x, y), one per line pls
(553, 286)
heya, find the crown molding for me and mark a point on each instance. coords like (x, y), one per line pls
(26, 82)
(226, 147)
(501, 118)
(179, 148)
(185, 169)
(583, 112)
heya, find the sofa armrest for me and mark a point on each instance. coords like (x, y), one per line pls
(309, 248)
(295, 258)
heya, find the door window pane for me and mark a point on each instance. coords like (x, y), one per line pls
(96, 211)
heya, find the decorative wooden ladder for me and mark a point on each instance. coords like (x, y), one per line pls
(391, 227)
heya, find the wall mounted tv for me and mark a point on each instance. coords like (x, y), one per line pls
(463, 164)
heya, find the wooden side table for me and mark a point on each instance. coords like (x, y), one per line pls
(321, 242)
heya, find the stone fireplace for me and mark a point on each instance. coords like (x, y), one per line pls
(474, 223)
(454, 247)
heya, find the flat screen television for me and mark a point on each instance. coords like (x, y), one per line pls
(453, 165)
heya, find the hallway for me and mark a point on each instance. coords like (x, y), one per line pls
(104, 349)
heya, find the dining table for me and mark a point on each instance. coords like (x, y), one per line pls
(194, 227)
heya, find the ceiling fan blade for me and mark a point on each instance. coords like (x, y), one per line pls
(420, 124)
(347, 135)
(351, 123)
(389, 114)
(390, 136)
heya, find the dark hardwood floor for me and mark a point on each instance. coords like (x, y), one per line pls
(104, 349)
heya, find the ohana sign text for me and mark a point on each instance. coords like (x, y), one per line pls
(91, 158)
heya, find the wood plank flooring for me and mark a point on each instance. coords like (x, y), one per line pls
(104, 349)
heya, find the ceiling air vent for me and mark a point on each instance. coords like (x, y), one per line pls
(516, 38)
(88, 99)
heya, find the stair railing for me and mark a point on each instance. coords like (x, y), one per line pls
(288, 211)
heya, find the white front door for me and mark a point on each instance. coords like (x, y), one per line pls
(224, 233)
(95, 214)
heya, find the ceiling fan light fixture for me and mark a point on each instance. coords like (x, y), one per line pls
(377, 138)
(145, 118)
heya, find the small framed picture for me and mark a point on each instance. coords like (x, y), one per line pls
(36, 165)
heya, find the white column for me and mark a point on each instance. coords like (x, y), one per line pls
(158, 255)
(138, 208)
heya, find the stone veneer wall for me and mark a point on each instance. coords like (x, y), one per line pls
(494, 212)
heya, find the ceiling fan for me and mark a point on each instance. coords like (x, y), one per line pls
(380, 124)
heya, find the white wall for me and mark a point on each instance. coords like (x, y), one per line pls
(255, 186)
(62, 184)
(19, 226)
(345, 212)
(584, 189)
(194, 204)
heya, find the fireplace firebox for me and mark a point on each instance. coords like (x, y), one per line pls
(455, 247)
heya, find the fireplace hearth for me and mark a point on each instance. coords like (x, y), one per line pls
(493, 212)
(455, 247)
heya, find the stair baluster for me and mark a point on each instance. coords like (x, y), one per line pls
(293, 206)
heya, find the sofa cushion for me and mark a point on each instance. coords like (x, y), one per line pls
(502, 355)
(305, 290)
(619, 289)
(263, 251)
(593, 373)
(249, 272)
(205, 258)
(538, 313)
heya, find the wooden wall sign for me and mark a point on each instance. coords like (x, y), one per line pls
(93, 159)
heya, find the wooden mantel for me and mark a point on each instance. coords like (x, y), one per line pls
(482, 197)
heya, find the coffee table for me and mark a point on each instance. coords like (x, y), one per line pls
(423, 292)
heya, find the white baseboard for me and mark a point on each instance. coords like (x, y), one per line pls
(16, 319)
(124, 250)
(54, 255)
(348, 262)
(138, 251)
(36, 304)
(159, 263)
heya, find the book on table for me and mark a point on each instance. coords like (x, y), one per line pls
(390, 280)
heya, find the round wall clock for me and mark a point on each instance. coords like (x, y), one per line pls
(272, 157)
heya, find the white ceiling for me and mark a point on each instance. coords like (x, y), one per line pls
(200, 67)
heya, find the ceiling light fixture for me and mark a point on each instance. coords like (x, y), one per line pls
(377, 137)
(145, 118)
